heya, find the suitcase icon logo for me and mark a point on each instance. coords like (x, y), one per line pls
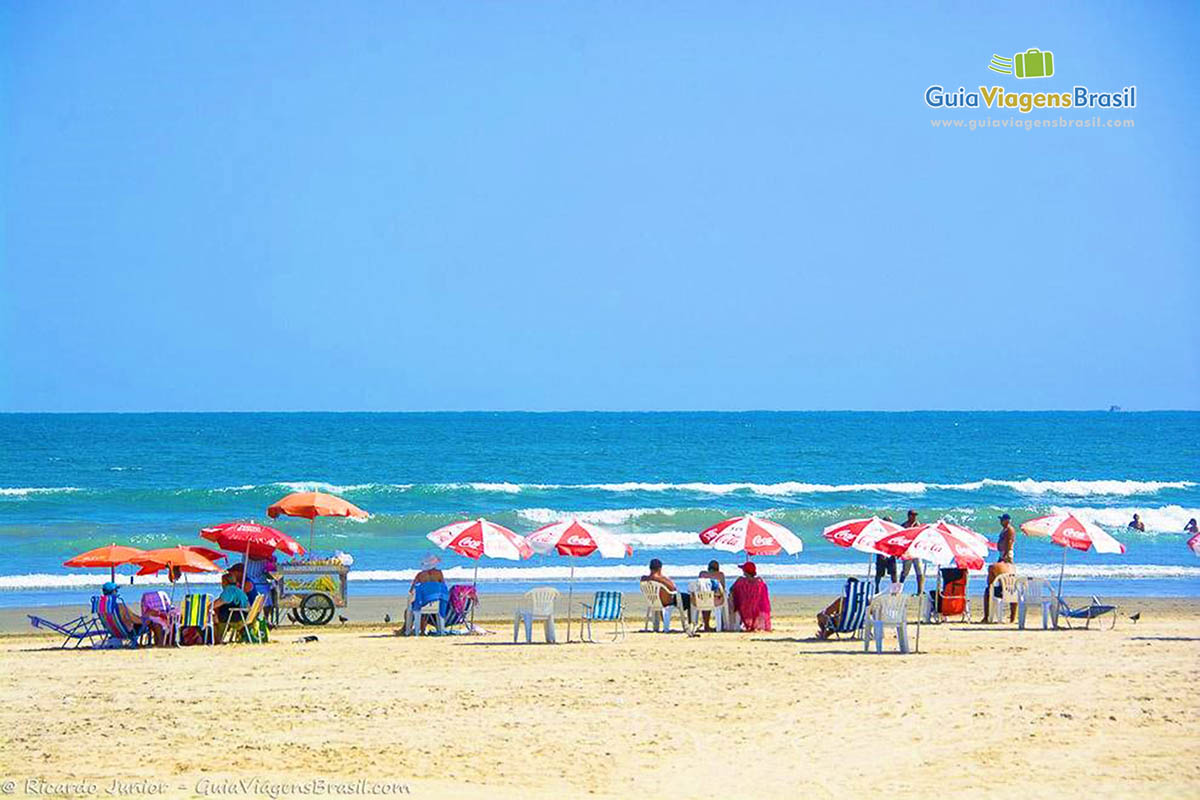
(1033, 63)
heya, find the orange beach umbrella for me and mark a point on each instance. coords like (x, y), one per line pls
(111, 556)
(184, 559)
(311, 505)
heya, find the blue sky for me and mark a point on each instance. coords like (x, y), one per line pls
(589, 206)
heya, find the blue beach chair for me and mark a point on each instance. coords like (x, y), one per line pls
(605, 607)
(856, 596)
(79, 631)
(1086, 613)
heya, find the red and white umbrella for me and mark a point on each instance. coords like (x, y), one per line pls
(570, 537)
(861, 534)
(943, 543)
(1194, 543)
(1067, 530)
(475, 538)
(757, 537)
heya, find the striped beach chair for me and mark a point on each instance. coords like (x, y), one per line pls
(462, 605)
(108, 610)
(243, 624)
(197, 612)
(856, 596)
(605, 607)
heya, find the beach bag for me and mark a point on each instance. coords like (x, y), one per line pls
(190, 636)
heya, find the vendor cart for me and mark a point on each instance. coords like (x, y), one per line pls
(312, 590)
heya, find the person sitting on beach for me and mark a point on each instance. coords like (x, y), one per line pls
(428, 586)
(751, 600)
(669, 594)
(158, 612)
(1005, 547)
(1191, 526)
(232, 597)
(131, 620)
(714, 574)
(1136, 524)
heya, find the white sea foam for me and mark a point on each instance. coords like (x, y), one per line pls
(610, 572)
(1166, 519)
(1073, 488)
(25, 491)
(612, 516)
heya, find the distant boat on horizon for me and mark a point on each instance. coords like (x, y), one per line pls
(1114, 408)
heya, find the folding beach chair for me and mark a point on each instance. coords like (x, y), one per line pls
(655, 610)
(952, 598)
(108, 609)
(605, 607)
(457, 617)
(856, 596)
(81, 630)
(1087, 613)
(197, 612)
(242, 624)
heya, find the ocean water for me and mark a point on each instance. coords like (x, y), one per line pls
(72, 482)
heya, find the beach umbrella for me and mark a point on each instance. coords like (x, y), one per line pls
(1067, 530)
(757, 537)
(111, 556)
(570, 537)
(1194, 543)
(207, 552)
(861, 534)
(475, 538)
(181, 558)
(943, 543)
(311, 505)
(251, 539)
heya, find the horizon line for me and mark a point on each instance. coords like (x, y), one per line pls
(1117, 410)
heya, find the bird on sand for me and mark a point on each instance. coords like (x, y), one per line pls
(1135, 617)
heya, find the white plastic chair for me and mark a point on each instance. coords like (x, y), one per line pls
(413, 618)
(655, 610)
(887, 610)
(1033, 592)
(536, 604)
(1007, 583)
(704, 598)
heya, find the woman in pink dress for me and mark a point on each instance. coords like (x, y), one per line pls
(751, 600)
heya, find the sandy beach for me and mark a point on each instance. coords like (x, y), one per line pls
(985, 709)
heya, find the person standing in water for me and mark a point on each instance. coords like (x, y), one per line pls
(1005, 554)
(1136, 524)
(913, 565)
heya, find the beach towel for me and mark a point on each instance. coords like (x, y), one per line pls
(424, 593)
(460, 595)
(752, 602)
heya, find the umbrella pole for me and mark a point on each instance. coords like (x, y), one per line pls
(570, 595)
(474, 591)
(1062, 570)
(312, 525)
